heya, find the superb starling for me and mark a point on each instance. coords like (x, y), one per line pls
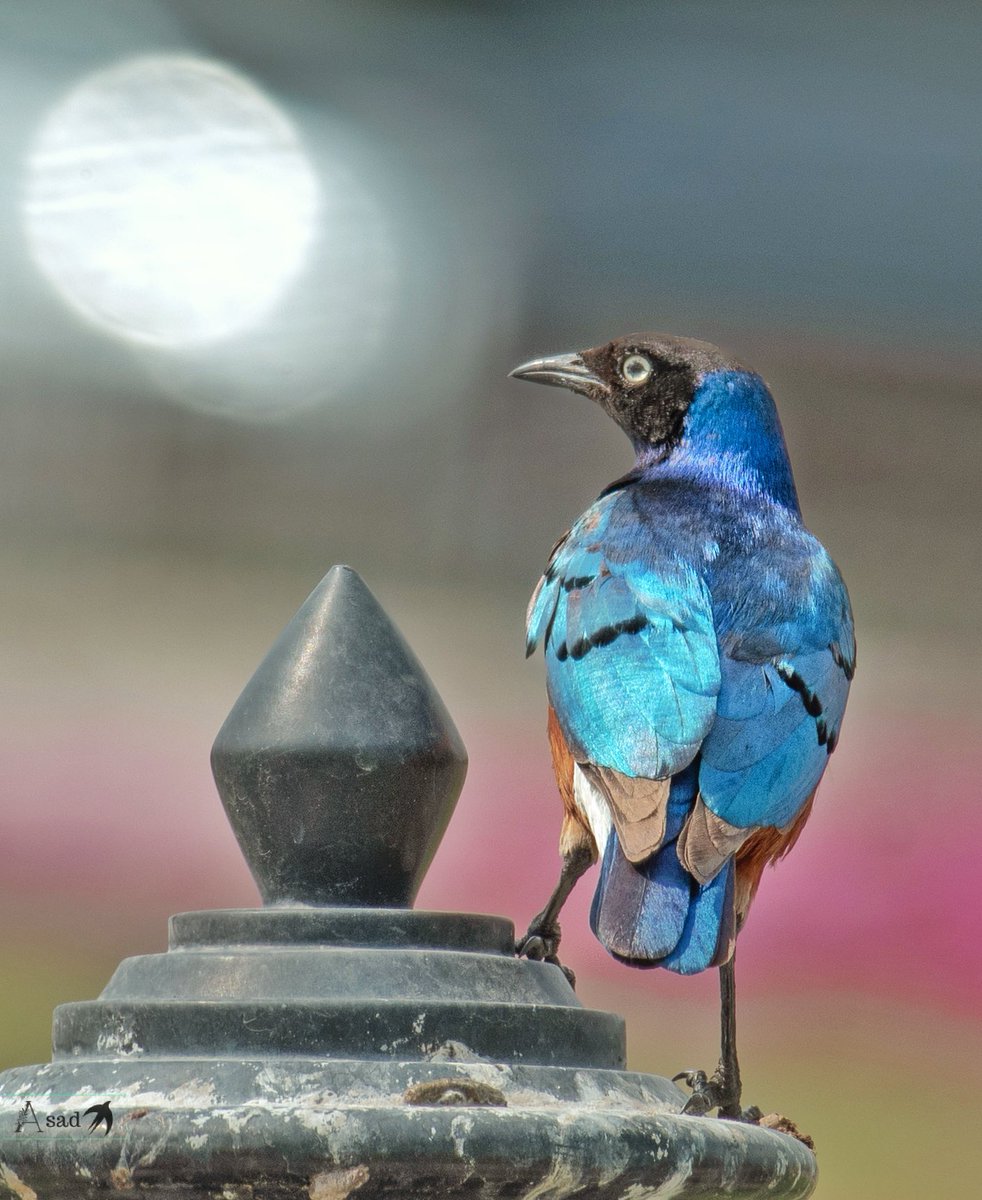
(699, 647)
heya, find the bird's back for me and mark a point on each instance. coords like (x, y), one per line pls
(698, 645)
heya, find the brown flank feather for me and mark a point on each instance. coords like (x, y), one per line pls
(575, 831)
(764, 846)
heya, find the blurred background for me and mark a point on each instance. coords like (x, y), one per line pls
(263, 271)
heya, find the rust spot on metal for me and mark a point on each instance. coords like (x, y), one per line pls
(454, 1092)
(121, 1179)
(339, 1184)
(785, 1125)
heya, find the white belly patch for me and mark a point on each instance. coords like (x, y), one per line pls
(593, 805)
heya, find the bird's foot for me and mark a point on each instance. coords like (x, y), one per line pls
(541, 944)
(541, 940)
(715, 1091)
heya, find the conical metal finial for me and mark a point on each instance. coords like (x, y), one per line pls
(339, 766)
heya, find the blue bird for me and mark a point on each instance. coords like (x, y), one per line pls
(699, 648)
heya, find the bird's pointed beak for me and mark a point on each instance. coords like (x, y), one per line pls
(562, 370)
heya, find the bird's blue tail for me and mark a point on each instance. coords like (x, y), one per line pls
(655, 914)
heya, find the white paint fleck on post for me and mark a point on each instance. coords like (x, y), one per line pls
(20, 1189)
(560, 1181)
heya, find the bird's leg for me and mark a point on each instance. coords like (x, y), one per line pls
(722, 1089)
(727, 1074)
(541, 940)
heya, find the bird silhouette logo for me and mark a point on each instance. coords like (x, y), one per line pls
(100, 1113)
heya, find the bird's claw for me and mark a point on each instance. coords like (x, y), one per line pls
(715, 1091)
(702, 1098)
(540, 944)
(535, 947)
(541, 940)
(692, 1079)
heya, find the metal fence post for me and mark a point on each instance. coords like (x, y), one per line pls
(336, 1042)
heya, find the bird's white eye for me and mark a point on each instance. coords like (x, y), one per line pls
(636, 369)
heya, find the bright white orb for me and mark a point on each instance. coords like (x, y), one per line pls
(170, 201)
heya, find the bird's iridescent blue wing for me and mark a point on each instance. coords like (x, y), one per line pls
(630, 647)
(782, 697)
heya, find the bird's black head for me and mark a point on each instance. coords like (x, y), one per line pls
(645, 381)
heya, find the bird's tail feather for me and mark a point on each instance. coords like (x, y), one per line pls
(656, 915)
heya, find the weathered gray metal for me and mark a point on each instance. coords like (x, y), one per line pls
(323, 1052)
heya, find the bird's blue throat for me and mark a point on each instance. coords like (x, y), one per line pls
(731, 434)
